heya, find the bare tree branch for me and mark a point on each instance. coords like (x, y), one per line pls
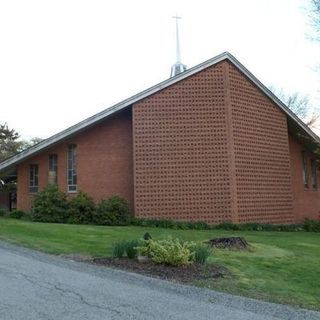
(301, 106)
(315, 17)
(313, 121)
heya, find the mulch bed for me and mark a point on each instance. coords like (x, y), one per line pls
(184, 274)
(238, 243)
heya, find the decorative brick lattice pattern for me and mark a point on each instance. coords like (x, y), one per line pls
(261, 148)
(180, 151)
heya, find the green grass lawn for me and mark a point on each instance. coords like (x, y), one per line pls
(282, 267)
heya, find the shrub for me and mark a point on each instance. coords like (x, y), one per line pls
(311, 225)
(17, 214)
(168, 251)
(169, 224)
(3, 212)
(50, 205)
(81, 209)
(26, 216)
(182, 225)
(131, 248)
(147, 236)
(200, 225)
(201, 253)
(251, 226)
(113, 212)
(227, 226)
(118, 249)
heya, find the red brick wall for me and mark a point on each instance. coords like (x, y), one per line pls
(181, 151)
(261, 154)
(104, 163)
(212, 147)
(306, 201)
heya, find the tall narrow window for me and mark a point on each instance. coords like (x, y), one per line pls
(34, 178)
(72, 168)
(314, 179)
(53, 169)
(305, 174)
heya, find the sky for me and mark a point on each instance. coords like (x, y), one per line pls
(62, 61)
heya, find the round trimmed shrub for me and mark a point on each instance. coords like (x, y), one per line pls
(168, 251)
(113, 212)
(81, 209)
(50, 205)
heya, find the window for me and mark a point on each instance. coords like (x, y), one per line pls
(34, 178)
(314, 179)
(305, 170)
(53, 169)
(72, 168)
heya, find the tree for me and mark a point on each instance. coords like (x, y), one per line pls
(299, 105)
(10, 143)
(25, 144)
(315, 17)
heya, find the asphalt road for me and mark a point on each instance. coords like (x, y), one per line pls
(34, 285)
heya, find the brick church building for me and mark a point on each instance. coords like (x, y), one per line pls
(211, 143)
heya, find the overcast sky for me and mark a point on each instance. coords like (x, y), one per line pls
(62, 61)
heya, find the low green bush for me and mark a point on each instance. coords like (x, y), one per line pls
(81, 209)
(201, 253)
(3, 212)
(311, 225)
(50, 205)
(199, 225)
(113, 212)
(119, 248)
(168, 251)
(227, 226)
(182, 225)
(128, 247)
(131, 248)
(26, 216)
(17, 214)
(170, 224)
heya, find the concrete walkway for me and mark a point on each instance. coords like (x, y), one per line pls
(34, 285)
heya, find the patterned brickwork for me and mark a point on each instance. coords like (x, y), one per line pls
(261, 149)
(181, 163)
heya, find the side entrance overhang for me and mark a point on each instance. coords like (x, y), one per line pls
(8, 190)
